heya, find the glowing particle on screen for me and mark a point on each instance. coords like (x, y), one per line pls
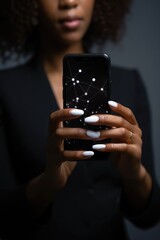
(86, 94)
(87, 101)
(73, 79)
(93, 79)
(102, 89)
(80, 70)
(77, 81)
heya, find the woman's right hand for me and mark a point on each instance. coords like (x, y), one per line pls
(61, 163)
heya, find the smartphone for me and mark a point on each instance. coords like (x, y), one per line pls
(86, 86)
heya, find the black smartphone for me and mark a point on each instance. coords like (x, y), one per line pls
(86, 86)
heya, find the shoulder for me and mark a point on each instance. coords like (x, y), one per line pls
(130, 78)
(127, 84)
(15, 71)
(125, 74)
(16, 77)
(126, 77)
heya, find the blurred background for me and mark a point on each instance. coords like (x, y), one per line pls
(140, 48)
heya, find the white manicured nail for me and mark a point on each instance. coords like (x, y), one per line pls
(98, 146)
(76, 112)
(93, 134)
(112, 103)
(91, 119)
(88, 154)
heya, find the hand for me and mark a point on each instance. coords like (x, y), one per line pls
(61, 163)
(126, 139)
(41, 190)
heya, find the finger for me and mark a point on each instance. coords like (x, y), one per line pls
(77, 155)
(118, 147)
(64, 115)
(76, 133)
(130, 149)
(123, 134)
(109, 121)
(123, 111)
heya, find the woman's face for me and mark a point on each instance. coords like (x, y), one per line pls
(66, 20)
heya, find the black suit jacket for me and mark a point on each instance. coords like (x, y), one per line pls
(90, 205)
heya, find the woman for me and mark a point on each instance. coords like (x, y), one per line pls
(43, 194)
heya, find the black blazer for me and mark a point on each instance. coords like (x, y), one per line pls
(90, 205)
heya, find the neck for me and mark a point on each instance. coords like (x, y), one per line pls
(53, 53)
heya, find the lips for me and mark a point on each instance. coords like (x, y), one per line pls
(70, 23)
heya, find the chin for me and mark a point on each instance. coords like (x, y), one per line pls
(71, 38)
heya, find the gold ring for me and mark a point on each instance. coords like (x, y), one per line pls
(131, 135)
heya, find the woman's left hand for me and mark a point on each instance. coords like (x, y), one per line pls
(126, 139)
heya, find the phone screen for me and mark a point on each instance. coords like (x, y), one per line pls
(86, 86)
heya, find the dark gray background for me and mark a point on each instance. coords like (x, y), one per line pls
(140, 48)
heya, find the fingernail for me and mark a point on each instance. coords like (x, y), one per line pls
(76, 112)
(91, 119)
(98, 146)
(92, 134)
(88, 154)
(112, 103)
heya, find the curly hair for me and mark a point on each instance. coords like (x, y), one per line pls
(19, 31)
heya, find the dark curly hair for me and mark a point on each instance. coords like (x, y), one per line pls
(19, 31)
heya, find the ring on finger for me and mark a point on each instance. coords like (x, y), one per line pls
(131, 136)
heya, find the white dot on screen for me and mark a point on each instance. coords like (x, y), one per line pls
(93, 79)
(102, 89)
(80, 70)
